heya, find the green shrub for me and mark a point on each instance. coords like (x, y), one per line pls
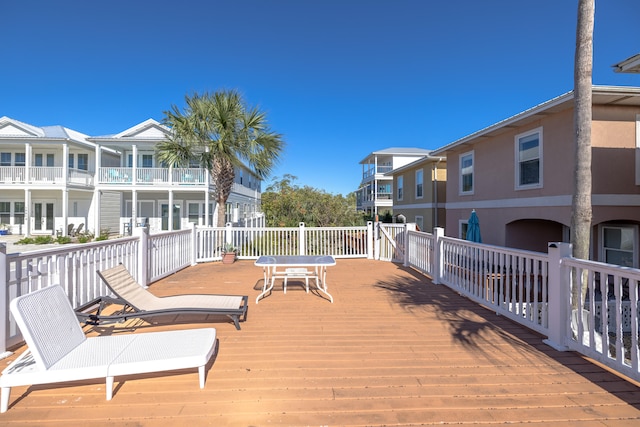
(26, 241)
(44, 240)
(104, 235)
(85, 238)
(62, 240)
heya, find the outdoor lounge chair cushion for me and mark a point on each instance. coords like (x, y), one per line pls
(145, 304)
(58, 350)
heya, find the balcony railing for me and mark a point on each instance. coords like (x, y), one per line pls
(152, 176)
(43, 175)
(373, 171)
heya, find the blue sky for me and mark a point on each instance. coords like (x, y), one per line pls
(338, 78)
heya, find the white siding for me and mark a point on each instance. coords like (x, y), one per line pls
(110, 212)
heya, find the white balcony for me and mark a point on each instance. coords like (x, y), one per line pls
(44, 175)
(152, 176)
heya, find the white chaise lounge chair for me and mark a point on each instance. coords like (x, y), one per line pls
(60, 352)
(137, 302)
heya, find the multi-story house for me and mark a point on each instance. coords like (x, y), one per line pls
(375, 194)
(518, 175)
(419, 194)
(53, 177)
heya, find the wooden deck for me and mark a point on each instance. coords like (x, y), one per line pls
(393, 349)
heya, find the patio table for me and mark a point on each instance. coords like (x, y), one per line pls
(282, 266)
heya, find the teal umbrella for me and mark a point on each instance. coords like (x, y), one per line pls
(473, 228)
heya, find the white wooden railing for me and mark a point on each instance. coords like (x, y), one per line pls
(609, 336)
(530, 288)
(44, 175)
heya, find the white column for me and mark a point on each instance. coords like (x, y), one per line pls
(134, 164)
(96, 174)
(97, 199)
(170, 224)
(27, 163)
(134, 208)
(65, 210)
(206, 208)
(27, 212)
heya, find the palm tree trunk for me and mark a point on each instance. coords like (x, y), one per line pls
(581, 205)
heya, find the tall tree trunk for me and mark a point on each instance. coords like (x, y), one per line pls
(581, 205)
(224, 176)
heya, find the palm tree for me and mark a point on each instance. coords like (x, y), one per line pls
(581, 214)
(220, 132)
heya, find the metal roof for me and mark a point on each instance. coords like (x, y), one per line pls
(629, 65)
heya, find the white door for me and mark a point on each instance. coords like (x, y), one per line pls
(43, 220)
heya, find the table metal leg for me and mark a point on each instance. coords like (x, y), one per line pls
(321, 283)
(267, 284)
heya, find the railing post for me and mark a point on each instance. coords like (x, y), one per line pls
(370, 254)
(194, 244)
(4, 306)
(559, 295)
(438, 233)
(405, 254)
(142, 233)
(376, 240)
(302, 247)
(228, 233)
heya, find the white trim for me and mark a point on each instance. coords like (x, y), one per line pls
(633, 227)
(549, 201)
(421, 172)
(429, 205)
(516, 168)
(460, 176)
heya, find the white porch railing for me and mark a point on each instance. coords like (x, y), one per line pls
(148, 176)
(44, 174)
(529, 287)
(12, 174)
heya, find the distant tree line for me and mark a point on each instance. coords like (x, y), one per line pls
(286, 204)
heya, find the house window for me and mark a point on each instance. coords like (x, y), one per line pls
(40, 158)
(466, 173)
(5, 212)
(194, 212)
(400, 186)
(147, 160)
(130, 160)
(20, 159)
(18, 212)
(619, 245)
(420, 222)
(71, 161)
(5, 159)
(419, 183)
(83, 162)
(529, 159)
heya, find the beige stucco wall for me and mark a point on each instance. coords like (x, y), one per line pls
(502, 208)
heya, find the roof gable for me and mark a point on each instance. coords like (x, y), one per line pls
(11, 127)
(149, 129)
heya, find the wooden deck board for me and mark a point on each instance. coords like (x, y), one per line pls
(393, 349)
